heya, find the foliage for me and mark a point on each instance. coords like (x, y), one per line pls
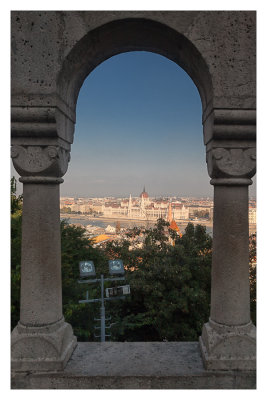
(170, 286)
(16, 220)
(16, 201)
(201, 214)
(252, 277)
(76, 247)
(169, 278)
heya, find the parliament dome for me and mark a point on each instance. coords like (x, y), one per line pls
(144, 194)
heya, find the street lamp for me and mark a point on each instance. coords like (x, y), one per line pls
(87, 269)
(116, 269)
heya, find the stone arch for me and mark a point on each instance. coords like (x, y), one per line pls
(135, 34)
(42, 122)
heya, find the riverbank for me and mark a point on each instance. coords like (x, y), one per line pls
(128, 223)
(103, 222)
(109, 219)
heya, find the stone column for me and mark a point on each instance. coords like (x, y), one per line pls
(228, 339)
(42, 340)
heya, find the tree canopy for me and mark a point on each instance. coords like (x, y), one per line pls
(169, 277)
(170, 285)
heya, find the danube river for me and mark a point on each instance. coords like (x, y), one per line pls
(103, 222)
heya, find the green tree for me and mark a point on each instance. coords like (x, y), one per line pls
(16, 221)
(252, 277)
(75, 248)
(16, 201)
(170, 286)
(170, 281)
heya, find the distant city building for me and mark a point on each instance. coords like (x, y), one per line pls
(83, 208)
(144, 194)
(135, 210)
(252, 215)
(211, 213)
(143, 208)
(110, 229)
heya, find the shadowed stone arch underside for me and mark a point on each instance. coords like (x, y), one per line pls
(131, 35)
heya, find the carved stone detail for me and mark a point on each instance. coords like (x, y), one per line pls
(225, 347)
(51, 161)
(233, 163)
(42, 348)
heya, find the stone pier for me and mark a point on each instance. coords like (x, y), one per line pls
(42, 340)
(228, 340)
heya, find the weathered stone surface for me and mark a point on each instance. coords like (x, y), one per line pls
(52, 52)
(42, 348)
(230, 304)
(228, 340)
(154, 365)
(41, 340)
(231, 162)
(40, 160)
(230, 124)
(230, 56)
(227, 347)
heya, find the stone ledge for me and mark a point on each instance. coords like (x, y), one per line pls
(139, 365)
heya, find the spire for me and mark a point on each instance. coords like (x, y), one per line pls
(169, 217)
(144, 189)
(173, 226)
(142, 202)
(130, 206)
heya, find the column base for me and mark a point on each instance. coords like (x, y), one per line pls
(225, 347)
(46, 348)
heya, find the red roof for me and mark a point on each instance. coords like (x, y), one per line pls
(174, 227)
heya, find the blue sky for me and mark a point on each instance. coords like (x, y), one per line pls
(138, 123)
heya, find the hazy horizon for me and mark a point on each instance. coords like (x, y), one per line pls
(138, 195)
(135, 196)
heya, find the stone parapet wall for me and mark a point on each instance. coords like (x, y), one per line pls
(147, 365)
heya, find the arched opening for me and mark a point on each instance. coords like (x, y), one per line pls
(131, 35)
(133, 110)
(158, 143)
(142, 34)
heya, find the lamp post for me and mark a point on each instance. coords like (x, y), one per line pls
(116, 269)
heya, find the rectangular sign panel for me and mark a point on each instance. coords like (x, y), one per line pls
(118, 291)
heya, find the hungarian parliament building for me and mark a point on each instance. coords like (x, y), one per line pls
(143, 208)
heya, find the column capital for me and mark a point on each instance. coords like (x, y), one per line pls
(231, 165)
(40, 163)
